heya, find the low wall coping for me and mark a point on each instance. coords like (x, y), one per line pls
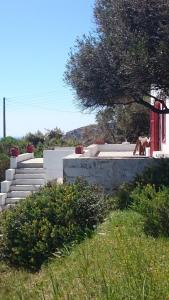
(22, 157)
(3, 197)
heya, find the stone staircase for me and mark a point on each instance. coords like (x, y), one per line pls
(25, 176)
(26, 181)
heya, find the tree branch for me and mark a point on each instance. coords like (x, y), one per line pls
(152, 107)
(158, 100)
(123, 103)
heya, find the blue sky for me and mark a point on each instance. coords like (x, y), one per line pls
(36, 36)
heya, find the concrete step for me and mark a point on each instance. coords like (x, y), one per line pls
(28, 181)
(29, 176)
(30, 170)
(10, 201)
(25, 187)
(19, 194)
(32, 163)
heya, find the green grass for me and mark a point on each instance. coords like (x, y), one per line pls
(118, 262)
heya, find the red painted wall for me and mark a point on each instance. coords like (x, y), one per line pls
(155, 130)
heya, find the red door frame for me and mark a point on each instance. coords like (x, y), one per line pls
(163, 125)
(155, 130)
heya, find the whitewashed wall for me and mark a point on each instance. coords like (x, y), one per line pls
(53, 162)
(165, 146)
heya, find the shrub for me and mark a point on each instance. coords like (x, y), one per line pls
(157, 175)
(57, 215)
(6, 144)
(90, 205)
(123, 198)
(4, 164)
(39, 150)
(154, 206)
(9, 142)
(54, 133)
(35, 138)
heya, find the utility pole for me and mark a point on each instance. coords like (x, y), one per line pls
(4, 118)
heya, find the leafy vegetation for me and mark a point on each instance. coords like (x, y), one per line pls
(118, 124)
(123, 197)
(124, 57)
(7, 143)
(156, 175)
(4, 164)
(56, 216)
(154, 206)
(119, 262)
(35, 138)
(148, 194)
(41, 141)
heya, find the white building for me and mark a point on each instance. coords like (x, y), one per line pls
(159, 130)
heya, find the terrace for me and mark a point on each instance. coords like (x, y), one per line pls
(108, 165)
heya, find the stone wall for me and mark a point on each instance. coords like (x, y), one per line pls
(107, 172)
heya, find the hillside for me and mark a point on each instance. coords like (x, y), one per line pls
(119, 262)
(83, 134)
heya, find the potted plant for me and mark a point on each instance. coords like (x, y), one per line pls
(79, 149)
(14, 151)
(30, 148)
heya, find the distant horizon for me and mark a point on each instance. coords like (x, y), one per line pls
(20, 137)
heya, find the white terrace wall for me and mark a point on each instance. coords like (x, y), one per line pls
(92, 150)
(124, 147)
(109, 173)
(53, 162)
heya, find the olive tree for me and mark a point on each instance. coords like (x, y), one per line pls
(125, 57)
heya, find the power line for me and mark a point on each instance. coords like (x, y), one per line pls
(41, 100)
(33, 100)
(46, 98)
(47, 108)
(52, 94)
(30, 95)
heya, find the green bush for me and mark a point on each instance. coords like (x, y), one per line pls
(157, 175)
(4, 164)
(90, 205)
(123, 198)
(57, 215)
(35, 138)
(154, 206)
(7, 143)
(39, 150)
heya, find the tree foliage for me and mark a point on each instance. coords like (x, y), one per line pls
(126, 56)
(54, 133)
(35, 138)
(123, 123)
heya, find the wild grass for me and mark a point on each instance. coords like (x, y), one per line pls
(118, 262)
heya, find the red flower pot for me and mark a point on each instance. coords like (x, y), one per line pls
(79, 150)
(14, 151)
(30, 148)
